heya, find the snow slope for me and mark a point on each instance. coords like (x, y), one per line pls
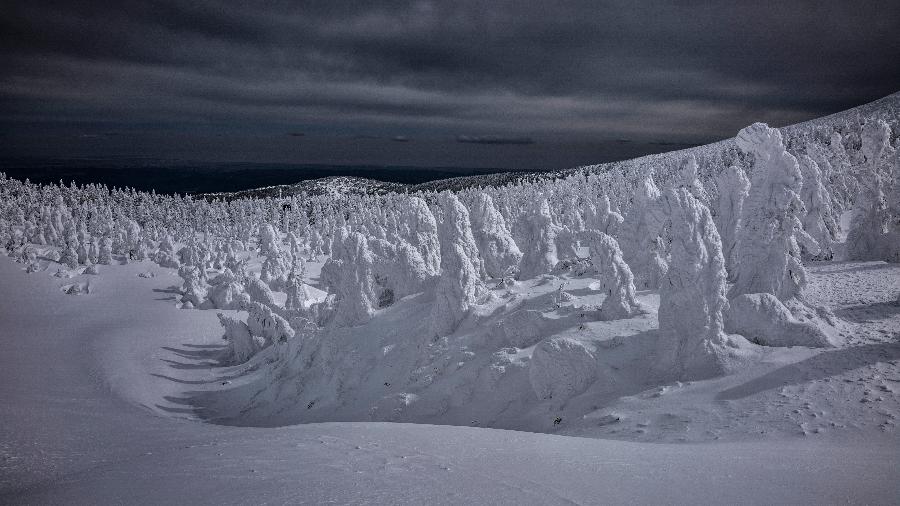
(91, 384)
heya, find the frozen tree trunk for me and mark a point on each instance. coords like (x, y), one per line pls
(499, 250)
(616, 280)
(734, 186)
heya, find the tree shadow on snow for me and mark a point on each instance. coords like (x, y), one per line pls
(857, 268)
(189, 409)
(823, 365)
(218, 347)
(211, 353)
(184, 381)
(206, 357)
(869, 312)
(196, 365)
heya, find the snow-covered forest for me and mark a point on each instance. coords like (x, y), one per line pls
(647, 300)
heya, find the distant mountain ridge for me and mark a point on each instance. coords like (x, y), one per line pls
(887, 108)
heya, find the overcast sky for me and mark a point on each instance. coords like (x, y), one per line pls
(427, 83)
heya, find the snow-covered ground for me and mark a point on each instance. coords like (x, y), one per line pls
(93, 412)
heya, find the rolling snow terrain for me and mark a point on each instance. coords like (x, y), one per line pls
(719, 324)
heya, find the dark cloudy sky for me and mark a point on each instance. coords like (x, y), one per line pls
(405, 82)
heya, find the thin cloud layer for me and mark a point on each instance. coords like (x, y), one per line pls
(570, 71)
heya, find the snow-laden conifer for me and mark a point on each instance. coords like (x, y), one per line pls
(639, 239)
(692, 294)
(868, 236)
(615, 278)
(241, 344)
(495, 243)
(540, 253)
(768, 254)
(456, 228)
(819, 221)
(734, 186)
(355, 300)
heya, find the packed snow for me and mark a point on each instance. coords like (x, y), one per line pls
(515, 343)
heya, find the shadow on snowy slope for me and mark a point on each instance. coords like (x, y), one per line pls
(869, 312)
(873, 266)
(822, 365)
(484, 374)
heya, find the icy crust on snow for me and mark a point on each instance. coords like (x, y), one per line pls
(529, 308)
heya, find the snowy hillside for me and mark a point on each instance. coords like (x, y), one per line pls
(743, 296)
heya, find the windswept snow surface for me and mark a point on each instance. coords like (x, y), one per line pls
(91, 388)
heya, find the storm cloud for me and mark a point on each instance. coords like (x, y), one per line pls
(561, 73)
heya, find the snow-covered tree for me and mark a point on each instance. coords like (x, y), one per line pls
(241, 344)
(819, 220)
(456, 228)
(269, 240)
(263, 322)
(692, 294)
(868, 236)
(420, 229)
(259, 291)
(615, 278)
(104, 256)
(399, 270)
(355, 300)
(193, 290)
(734, 186)
(688, 178)
(540, 255)
(641, 246)
(297, 295)
(457, 290)
(605, 219)
(226, 291)
(768, 254)
(495, 243)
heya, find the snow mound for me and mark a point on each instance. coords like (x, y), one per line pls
(765, 320)
(561, 367)
(520, 329)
